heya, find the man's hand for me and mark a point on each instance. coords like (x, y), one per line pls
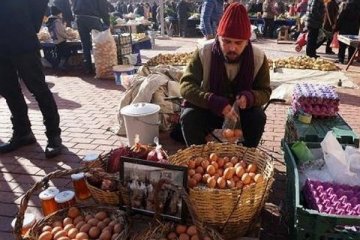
(241, 101)
(230, 113)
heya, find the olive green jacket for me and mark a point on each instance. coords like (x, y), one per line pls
(194, 84)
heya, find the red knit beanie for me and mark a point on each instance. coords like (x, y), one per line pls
(235, 23)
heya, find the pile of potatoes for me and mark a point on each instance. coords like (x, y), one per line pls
(176, 59)
(183, 232)
(77, 226)
(303, 62)
(221, 172)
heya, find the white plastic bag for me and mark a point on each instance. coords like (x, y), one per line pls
(105, 53)
(338, 162)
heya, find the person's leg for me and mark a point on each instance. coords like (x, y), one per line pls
(253, 122)
(197, 123)
(31, 71)
(328, 48)
(266, 27)
(85, 37)
(341, 53)
(351, 51)
(312, 42)
(271, 25)
(11, 91)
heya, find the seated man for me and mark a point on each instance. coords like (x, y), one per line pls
(222, 72)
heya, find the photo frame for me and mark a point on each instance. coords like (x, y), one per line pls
(141, 177)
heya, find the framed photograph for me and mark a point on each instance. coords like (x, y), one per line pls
(141, 178)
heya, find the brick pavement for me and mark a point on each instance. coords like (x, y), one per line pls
(88, 107)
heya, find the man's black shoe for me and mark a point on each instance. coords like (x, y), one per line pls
(16, 142)
(54, 147)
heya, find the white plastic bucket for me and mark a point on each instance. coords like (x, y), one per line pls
(122, 73)
(142, 119)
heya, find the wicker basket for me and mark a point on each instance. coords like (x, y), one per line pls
(231, 211)
(158, 229)
(35, 231)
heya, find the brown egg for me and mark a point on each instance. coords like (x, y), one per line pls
(228, 164)
(112, 223)
(236, 178)
(82, 236)
(238, 133)
(246, 179)
(191, 172)
(230, 183)
(80, 224)
(259, 178)
(72, 232)
(45, 235)
(94, 232)
(221, 182)
(198, 161)
(180, 229)
(237, 165)
(192, 183)
(59, 234)
(229, 172)
(206, 238)
(213, 157)
(109, 228)
(68, 227)
(78, 219)
(116, 235)
(46, 228)
(184, 236)
(220, 172)
(239, 184)
(251, 168)
(101, 224)
(63, 238)
(239, 171)
(234, 160)
(243, 164)
(205, 163)
(211, 170)
(118, 228)
(73, 212)
(197, 177)
(101, 215)
(220, 162)
(57, 224)
(93, 221)
(228, 133)
(67, 221)
(107, 220)
(211, 182)
(191, 164)
(55, 230)
(195, 237)
(87, 217)
(215, 164)
(172, 235)
(191, 230)
(85, 228)
(105, 235)
(199, 169)
(226, 159)
(205, 178)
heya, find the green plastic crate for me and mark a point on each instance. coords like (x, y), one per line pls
(317, 129)
(306, 223)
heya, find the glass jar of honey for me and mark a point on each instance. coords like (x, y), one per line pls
(28, 222)
(65, 199)
(90, 160)
(81, 190)
(47, 198)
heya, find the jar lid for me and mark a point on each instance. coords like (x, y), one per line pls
(64, 196)
(29, 220)
(91, 157)
(140, 109)
(77, 176)
(48, 193)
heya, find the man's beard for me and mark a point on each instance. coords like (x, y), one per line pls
(233, 60)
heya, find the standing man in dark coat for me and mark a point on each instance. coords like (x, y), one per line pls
(90, 14)
(331, 14)
(65, 8)
(183, 11)
(20, 58)
(314, 21)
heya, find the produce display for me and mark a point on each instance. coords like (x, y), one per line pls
(80, 226)
(183, 232)
(44, 35)
(73, 34)
(138, 36)
(315, 99)
(222, 172)
(176, 59)
(105, 54)
(332, 198)
(303, 62)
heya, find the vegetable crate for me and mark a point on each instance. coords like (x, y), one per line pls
(317, 129)
(310, 224)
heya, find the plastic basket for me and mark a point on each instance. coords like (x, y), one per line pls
(231, 211)
(310, 224)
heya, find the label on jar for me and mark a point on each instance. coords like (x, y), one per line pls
(64, 196)
(49, 193)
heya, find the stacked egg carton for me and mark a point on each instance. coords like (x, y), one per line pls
(318, 100)
(332, 198)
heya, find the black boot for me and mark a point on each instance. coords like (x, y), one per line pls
(17, 141)
(54, 147)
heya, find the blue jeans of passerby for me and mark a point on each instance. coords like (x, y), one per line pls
(85, 24)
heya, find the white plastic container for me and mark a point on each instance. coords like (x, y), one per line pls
(123, 74)
(142, 119)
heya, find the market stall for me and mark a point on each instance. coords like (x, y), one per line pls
(353, 41)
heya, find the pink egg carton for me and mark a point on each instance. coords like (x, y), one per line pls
(332, 198)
